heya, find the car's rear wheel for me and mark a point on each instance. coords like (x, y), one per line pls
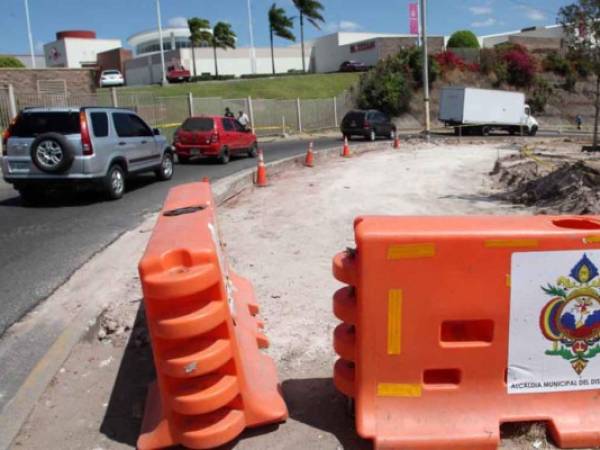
(114, 182)
(485, 131)
(165, 171)
(253, 151)
(31, 195)
(224, 157)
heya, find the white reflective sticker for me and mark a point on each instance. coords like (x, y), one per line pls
(554, 335)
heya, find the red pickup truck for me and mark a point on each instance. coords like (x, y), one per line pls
(178, 74)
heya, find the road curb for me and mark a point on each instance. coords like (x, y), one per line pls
(18, 409)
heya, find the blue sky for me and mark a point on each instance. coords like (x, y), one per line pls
(122, 18)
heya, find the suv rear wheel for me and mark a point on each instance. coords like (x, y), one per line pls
(165, 171)
(114, 182)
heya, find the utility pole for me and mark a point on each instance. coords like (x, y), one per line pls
(29, 34)
(425, 65)
(162, 45)
(252, 48)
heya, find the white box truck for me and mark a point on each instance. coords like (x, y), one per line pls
(480, 111)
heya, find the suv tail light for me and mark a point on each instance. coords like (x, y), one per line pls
(86, 140)
(366, 124)
(5, 135)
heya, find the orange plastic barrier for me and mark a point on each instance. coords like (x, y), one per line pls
(453, 326)
(212, 379)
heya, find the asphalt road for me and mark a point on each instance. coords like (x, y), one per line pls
(40, 247)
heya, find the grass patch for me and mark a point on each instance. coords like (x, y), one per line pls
(303, 86)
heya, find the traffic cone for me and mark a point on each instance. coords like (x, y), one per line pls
(309, 161)
(346, 149)
(396, 142)
(261, 172)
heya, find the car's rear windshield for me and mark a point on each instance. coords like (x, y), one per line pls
(32, 124)
(356, 116)
(111, 72)
(198, 124)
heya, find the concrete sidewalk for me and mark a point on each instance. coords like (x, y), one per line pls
(282, 238)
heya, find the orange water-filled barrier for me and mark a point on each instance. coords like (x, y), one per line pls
(453, 326)
(212, 380)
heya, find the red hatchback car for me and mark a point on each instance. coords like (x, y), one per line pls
(213, 136)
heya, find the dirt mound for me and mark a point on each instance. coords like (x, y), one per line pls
(568, 188)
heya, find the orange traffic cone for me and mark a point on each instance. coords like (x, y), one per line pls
(261, 172)
(346, 149)
(396, 142)
(309, 161)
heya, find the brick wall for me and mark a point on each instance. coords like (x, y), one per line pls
(25, 81)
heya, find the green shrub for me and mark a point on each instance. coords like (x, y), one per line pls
(463, 39)
(386, 90)
(414, 61)
(581, 64)
(556, 63)
(540, 95)
(10, 61)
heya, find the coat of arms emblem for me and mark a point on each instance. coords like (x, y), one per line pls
(571, 319)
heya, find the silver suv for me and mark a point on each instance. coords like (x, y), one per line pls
(47, 147)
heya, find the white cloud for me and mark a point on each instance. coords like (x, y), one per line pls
(178, 22)
(342, 25)
(532, 13)
(484, 23)
(481, 10)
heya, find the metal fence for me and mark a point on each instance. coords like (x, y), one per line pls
(268, 116)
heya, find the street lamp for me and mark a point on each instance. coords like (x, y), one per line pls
(162, 46)
(425, 66)
(252, 49)
(29, 34)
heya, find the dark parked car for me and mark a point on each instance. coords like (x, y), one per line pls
(353, 66)
(369, 124)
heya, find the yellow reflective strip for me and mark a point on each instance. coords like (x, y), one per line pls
(591, 239)
(507, 280)
(411, 251)
(394, 343)
(508, 243)
(398, 390)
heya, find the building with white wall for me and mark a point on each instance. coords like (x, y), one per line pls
(76, 49)
(330, 51)
(542, 33)
(146, 68)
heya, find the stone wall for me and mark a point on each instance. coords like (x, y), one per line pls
(27, 81)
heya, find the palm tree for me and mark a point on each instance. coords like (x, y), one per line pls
(312, 10)
(199, 34)
(279, 25)
(223, 37)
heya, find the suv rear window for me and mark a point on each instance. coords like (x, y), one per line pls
(198, 124)
(32, 124)
(357, 117)
(100, 124)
